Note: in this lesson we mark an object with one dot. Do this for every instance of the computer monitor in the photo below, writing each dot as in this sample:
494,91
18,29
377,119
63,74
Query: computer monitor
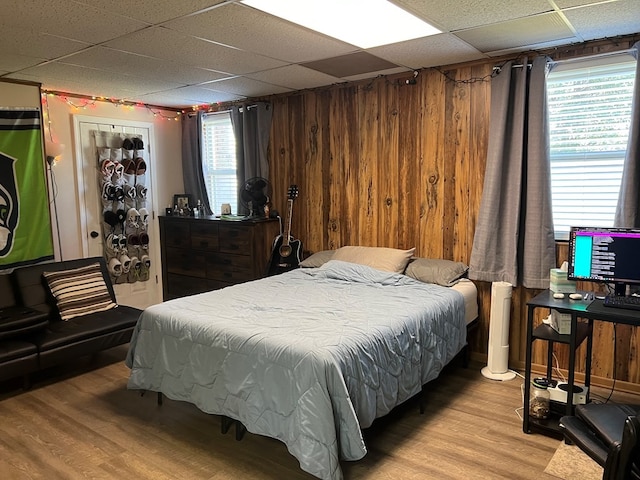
605,255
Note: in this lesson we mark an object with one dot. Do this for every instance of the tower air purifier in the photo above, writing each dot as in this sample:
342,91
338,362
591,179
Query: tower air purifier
498,357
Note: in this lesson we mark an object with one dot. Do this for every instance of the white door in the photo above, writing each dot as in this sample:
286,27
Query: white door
93,136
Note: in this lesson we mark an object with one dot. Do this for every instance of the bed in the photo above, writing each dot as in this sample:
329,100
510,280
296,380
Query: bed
310,357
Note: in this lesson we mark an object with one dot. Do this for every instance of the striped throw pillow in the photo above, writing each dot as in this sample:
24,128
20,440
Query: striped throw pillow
79,291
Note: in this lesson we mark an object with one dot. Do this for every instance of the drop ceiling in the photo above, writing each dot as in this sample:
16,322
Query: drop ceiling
198,52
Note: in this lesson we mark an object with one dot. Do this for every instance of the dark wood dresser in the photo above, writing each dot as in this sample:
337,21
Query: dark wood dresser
202,254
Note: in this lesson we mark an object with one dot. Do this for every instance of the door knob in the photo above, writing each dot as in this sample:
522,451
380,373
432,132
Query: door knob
94,234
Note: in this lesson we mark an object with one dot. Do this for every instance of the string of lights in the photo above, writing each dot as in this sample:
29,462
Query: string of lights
80,102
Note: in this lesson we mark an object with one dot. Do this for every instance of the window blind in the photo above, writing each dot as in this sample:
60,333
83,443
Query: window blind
219,160
589,118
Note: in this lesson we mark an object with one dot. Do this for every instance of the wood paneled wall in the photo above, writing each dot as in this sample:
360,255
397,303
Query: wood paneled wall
386,163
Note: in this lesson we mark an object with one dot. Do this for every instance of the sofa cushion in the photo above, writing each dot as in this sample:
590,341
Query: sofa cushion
59,334
17,358
13,349
17,321
79,291
7,298
31,287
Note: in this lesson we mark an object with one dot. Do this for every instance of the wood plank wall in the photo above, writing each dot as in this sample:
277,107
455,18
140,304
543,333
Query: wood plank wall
386,163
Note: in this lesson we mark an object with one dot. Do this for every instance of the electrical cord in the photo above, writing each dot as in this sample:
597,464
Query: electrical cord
54,195
557,368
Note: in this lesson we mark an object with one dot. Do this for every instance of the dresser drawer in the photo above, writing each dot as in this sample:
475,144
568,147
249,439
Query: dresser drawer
235,239
185,262
204,235
177,234
230,268
182,285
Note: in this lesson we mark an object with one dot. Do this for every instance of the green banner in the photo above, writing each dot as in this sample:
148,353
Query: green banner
25,223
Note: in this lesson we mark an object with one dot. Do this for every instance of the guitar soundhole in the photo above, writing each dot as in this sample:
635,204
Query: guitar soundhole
285,250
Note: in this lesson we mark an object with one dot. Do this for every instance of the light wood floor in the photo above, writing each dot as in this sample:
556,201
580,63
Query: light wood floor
81,422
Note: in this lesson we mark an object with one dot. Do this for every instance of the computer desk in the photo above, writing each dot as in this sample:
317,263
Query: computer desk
588,310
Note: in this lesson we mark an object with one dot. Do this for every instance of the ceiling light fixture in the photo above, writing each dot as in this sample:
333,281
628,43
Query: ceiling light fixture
363,23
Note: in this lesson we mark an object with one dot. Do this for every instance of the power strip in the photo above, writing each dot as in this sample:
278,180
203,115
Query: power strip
559,393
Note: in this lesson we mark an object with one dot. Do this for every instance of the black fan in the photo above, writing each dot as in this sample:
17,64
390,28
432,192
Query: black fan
255,194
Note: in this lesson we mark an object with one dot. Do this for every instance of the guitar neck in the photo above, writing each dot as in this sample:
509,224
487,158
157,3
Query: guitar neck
287,222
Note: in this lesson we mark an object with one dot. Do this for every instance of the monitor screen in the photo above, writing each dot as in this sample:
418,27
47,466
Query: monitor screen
608,255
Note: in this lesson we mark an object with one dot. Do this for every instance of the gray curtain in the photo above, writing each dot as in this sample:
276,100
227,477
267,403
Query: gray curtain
251,128
627,211
193,176
514,237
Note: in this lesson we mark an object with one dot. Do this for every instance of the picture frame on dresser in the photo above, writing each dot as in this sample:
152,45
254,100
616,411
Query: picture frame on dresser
183,200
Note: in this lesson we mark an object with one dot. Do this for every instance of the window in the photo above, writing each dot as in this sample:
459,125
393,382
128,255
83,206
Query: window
589,119
219,160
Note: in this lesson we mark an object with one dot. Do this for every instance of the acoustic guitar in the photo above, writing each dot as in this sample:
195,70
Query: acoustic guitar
286,251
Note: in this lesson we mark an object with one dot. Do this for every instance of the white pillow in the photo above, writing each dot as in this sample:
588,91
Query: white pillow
381,258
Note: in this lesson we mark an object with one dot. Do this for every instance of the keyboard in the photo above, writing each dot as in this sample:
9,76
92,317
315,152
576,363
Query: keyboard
616,301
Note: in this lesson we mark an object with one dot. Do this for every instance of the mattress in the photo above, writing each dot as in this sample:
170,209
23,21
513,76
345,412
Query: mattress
470,293
309,357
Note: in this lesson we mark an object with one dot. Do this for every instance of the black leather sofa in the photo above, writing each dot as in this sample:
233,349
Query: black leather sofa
33,336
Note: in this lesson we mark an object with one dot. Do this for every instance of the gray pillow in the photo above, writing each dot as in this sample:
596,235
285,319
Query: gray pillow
317,259
433,270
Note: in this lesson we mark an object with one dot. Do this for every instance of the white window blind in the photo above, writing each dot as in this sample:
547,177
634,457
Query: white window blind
589,118
219,161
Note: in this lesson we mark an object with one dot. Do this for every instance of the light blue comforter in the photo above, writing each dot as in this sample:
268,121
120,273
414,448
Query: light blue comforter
308,357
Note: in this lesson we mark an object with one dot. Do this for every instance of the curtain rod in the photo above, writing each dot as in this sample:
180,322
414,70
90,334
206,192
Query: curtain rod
227,110
630,51
497,68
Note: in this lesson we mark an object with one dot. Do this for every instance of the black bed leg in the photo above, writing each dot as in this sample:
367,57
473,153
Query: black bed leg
466,356
240,430
159,398
225,424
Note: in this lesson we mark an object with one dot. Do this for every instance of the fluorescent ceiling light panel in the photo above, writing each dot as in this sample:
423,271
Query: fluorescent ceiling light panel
363,23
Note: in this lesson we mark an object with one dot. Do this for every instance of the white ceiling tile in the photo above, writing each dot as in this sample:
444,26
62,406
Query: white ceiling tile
452,15
100,81
153,11
75,86
443,49
547,27
170,45
619,18
526,48
188,96
295,77
141,66
70,19
252,30
11,62
32,43
246,87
